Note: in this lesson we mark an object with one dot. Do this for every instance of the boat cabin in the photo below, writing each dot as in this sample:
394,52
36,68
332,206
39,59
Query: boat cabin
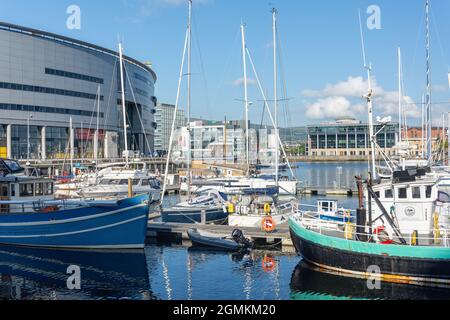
18,189
327,207
414,205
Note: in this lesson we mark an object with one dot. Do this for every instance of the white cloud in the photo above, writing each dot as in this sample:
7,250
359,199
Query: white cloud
332,108
240,82
345,98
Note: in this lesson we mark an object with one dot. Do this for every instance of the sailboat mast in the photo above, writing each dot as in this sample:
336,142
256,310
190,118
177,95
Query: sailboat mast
400,95
189,100
72,145
275,90
96,136
428,94
244,61
124,111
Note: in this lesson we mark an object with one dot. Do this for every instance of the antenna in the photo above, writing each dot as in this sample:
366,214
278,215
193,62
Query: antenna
369,101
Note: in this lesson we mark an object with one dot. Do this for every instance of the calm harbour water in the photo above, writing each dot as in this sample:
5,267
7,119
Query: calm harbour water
167,272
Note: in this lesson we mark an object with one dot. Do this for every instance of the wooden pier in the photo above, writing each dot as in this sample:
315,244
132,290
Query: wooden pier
177,232
318,191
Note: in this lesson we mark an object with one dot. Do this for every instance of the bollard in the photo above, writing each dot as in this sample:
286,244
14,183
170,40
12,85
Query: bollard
130,188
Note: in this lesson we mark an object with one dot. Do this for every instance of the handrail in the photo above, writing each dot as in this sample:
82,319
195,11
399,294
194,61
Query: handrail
316,223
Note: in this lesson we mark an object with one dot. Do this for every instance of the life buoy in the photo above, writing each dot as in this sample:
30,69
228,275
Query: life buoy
382,235
268,224
49,209
268,264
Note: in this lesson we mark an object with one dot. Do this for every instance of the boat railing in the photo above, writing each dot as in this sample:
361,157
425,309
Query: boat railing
46,206
349,231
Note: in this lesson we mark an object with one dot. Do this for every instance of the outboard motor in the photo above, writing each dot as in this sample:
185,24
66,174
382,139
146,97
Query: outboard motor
238,237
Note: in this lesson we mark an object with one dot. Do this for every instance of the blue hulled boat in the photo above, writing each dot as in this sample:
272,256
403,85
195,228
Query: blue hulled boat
30,216
207,208
90,225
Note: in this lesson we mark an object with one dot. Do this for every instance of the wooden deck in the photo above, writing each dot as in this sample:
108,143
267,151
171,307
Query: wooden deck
177,232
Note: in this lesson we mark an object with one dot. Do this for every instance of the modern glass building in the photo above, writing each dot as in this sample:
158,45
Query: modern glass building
349,138
164,119
47,80
220,143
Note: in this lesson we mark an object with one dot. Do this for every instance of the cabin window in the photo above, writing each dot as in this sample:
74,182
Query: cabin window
26,189
377,194
416,192
39,189
4,191
428,192
144,182
388,194
136,182
13,190
123,181
48,189
402,193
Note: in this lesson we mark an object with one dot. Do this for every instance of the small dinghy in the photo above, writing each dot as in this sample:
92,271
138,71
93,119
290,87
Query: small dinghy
235,242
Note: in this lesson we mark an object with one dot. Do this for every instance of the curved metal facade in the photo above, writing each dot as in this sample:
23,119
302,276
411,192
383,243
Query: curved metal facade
48,80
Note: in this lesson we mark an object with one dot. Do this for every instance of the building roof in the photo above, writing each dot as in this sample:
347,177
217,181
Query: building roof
73,42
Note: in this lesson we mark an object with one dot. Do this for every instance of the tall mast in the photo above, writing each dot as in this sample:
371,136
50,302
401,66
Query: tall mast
369,103
275,91
448,139
189,99
124,111
96,136
244,60
71,144
400,95
428,94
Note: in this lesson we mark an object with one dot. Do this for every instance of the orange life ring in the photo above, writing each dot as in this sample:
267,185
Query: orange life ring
268,264
49,209
268,224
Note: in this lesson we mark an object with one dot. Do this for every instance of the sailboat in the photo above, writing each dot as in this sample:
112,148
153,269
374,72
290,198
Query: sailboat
208,207
258,204
114,182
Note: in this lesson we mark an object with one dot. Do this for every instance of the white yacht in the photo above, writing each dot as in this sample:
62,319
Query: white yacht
114,183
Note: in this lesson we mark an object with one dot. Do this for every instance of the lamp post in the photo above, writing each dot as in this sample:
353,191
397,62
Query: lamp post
28,136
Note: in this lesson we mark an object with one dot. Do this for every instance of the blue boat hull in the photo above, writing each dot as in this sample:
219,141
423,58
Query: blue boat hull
215,216
121,226
105,274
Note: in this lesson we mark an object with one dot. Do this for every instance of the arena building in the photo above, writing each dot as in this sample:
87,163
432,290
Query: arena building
48,81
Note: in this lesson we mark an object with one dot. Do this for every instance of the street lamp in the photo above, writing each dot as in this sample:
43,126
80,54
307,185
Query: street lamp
28,135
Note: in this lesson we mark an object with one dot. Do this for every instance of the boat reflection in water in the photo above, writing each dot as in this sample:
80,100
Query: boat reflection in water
310,283
29,274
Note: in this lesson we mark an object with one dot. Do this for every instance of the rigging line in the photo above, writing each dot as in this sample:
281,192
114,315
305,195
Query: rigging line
287,112
110,94
202,66
227,67
433,20
172,132
420,28
268,110
138,112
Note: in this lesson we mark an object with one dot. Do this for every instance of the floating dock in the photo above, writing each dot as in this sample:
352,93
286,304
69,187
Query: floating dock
328,192
177,232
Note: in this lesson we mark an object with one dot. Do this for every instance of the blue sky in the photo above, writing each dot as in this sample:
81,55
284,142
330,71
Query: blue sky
321,50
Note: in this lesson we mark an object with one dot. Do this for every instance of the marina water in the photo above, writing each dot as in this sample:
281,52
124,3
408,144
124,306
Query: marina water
174,272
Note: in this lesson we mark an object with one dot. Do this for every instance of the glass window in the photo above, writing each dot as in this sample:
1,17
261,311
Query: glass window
26,189
136,182
416,192
39,187
428,192
389,194
48,189
402,193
